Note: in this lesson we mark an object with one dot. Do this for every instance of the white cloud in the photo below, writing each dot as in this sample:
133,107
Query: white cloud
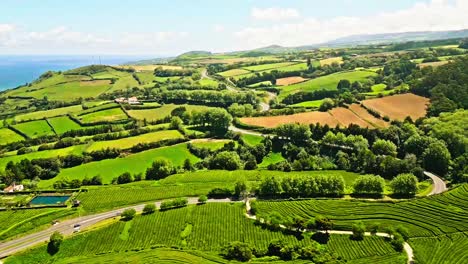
274,13
433,16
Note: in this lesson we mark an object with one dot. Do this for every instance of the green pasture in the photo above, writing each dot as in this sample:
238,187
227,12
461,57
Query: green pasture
328,82
8,136
163,111
125,143
107,115
309,104
135,163
35,129
76,150
48,113
63,124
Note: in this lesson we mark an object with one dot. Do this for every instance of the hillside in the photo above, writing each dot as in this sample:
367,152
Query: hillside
338,155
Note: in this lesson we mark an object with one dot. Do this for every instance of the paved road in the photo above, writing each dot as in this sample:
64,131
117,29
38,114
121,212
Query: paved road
439,184
67,227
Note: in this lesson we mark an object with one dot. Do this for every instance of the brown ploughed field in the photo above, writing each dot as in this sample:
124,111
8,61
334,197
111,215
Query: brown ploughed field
398,107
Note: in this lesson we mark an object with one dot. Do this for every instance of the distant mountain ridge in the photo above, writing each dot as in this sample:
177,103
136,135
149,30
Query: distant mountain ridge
353,40
398,37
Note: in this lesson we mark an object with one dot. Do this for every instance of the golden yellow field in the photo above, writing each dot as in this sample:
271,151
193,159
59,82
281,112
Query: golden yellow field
329,61
398,107
433,64
362,113
290,80
303,118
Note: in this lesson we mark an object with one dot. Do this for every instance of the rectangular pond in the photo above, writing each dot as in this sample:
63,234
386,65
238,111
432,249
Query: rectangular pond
49,199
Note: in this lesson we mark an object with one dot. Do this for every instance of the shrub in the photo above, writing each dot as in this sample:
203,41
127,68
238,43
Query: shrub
218,193
54,243
369,184
125,177
202,199
149,209
128,214
239,251
159,170
226,160
405,184
176,203
359,230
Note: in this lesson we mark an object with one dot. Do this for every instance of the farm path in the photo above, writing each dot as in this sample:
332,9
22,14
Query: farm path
266,106
67,227
439,184
406,247
229,85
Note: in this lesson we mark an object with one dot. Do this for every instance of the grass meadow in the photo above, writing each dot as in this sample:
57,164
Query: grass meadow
125,143
35,129
328,82
135,163
107,115
8,136
63,124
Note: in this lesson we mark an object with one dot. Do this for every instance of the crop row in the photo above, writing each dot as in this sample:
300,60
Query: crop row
451,249
213,226
423,217
370,246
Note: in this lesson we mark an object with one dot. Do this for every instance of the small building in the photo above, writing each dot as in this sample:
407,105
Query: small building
14,188
133,100
76,203
120,100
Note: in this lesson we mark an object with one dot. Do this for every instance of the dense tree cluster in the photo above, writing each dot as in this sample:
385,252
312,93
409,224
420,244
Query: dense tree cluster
319,186
214,98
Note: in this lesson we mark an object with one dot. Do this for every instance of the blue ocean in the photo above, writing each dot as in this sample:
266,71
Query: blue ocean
18,70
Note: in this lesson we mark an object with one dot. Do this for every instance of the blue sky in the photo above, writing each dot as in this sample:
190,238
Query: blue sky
171,27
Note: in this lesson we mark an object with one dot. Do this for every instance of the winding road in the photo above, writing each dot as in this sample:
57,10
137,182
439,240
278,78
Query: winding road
439,184
67,227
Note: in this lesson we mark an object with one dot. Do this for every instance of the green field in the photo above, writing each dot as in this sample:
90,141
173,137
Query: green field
54,80
234,72
98,106
135,163
208,83
71,90
162,112
77,150
212,227
107,115
268,66
211,144
271,158
251,140
35,129
328,82
126,143
309,104
437,218
8,136
124,83
48,113
63,124
16,222
183,185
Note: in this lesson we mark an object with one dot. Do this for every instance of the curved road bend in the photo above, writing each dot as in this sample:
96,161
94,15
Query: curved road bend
67,227
439,184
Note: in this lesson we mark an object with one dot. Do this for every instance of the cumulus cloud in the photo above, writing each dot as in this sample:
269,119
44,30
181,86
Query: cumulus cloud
433,16
274,13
